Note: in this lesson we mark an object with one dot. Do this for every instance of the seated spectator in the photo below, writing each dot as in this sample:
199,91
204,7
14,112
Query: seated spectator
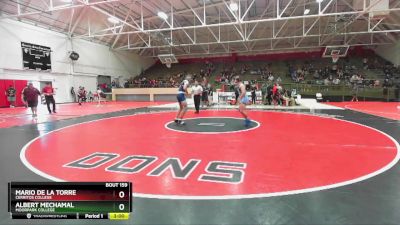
285,98
300,77
336,81
326,81
365,63
299,71
340,74
279,80
353,78
270,78
334,68
316,74
243,70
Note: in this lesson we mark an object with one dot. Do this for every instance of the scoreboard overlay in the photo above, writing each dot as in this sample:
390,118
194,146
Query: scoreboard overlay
70,200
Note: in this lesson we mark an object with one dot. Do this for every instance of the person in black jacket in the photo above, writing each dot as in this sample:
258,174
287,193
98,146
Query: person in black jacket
269,95
253,95
236,94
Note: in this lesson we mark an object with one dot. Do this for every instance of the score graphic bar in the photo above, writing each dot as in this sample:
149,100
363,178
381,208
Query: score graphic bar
70,200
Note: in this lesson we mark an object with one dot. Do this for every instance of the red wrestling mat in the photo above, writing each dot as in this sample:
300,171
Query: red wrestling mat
10,117
285,153
390,110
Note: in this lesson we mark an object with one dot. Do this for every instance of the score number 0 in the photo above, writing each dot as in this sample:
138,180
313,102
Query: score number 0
121,206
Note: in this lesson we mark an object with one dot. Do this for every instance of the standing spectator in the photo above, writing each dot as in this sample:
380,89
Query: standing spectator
90,96
253,95
355,89
10,93
268,97
32,94
236,94
275,94
81,95
73,93
204,96
397,88
48,92
385,85
197,91
270,78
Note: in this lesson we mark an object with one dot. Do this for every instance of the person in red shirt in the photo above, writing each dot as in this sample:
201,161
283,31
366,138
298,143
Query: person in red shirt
276,95
274,89
31,94
48,92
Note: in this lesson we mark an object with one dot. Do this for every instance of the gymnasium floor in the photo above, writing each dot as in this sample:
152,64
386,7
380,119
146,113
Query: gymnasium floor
319,164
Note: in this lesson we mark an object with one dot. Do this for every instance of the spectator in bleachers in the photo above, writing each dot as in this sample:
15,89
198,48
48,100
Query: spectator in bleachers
336,81
334,68
339,74
316,74
270,78
376,83
365,63
243,70
327,81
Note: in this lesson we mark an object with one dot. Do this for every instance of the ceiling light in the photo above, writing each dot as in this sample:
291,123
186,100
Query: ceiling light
113,20
319,1
306,11
234,6
66,1
162,15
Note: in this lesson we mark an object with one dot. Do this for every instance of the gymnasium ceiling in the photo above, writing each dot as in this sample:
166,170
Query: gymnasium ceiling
204,27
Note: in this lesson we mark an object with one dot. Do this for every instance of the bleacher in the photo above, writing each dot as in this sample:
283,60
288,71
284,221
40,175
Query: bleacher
278,68
257,71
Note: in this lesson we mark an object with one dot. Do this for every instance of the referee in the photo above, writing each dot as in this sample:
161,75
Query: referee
197,90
